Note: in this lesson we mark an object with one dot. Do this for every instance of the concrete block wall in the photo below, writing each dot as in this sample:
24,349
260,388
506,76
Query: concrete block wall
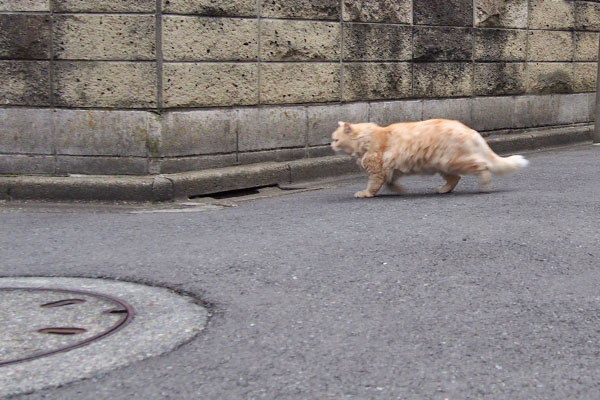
158,86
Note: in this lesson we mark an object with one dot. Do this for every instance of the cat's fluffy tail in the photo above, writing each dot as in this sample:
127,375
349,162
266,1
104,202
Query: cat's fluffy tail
505,165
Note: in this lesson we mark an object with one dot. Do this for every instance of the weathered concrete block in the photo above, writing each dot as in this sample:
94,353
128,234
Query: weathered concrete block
104,37
501,13
300,83
323,120
213,8
591,106
25,83
24,36
209,39
299,41
377,81
546,78
272,155
532,111
443,79
587,16
198,132
18,164
374,42
25,5
572,108
584,77
457,109
26,131
443,12
170,165
311,169
442,44
209,84
499,79
101,165
105,6
389,11
551,14
492,113
550,46
389,112
586,46
305,9
320,151
105,84
103,133
500,45
271,128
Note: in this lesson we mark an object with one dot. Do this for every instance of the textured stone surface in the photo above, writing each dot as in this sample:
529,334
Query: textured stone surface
501,13
585,75
24,164
551,14
442,44
105,84
209,84
587,15
104,6
272,155
233,8
299,41
499,79
24,5
491,113
211,39
25,83
377,42
323,120
443,12
198,132
550,46
26,131
390,11
443,79
586,46
169,165
545,78
101,165
377,81
299,83
535,111
389,112
305,9
500,45
24,36
102,133
458,109
104,37
271,128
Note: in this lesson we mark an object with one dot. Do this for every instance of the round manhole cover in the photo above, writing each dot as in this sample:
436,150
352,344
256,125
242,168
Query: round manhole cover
95,324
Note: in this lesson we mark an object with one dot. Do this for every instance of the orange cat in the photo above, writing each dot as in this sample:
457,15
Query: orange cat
426,147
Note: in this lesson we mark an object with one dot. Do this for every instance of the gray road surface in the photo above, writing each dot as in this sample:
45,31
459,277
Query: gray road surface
317,295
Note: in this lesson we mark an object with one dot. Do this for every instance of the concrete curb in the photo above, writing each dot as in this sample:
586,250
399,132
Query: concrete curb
184,185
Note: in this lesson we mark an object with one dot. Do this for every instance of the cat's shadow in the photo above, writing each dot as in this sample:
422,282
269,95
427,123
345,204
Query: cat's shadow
391,196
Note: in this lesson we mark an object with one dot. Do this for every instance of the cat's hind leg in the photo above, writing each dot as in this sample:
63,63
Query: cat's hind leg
451,182
485,180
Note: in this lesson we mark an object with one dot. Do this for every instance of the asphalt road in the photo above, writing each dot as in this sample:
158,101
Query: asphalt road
317,295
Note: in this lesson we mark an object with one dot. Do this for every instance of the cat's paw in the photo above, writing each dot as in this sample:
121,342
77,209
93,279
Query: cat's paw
363,194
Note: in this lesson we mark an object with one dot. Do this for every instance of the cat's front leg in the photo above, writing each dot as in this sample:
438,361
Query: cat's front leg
375,183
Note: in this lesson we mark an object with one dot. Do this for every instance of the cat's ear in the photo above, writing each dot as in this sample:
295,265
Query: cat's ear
347,127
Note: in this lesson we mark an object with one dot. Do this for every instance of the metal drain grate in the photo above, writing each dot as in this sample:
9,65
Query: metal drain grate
25,340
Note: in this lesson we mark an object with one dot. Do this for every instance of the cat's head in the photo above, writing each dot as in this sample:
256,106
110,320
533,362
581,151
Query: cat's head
342,139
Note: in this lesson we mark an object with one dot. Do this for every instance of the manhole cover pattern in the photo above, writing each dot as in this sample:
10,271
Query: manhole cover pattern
38,322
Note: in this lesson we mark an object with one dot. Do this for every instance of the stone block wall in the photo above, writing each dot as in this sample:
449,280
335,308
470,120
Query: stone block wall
160,86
